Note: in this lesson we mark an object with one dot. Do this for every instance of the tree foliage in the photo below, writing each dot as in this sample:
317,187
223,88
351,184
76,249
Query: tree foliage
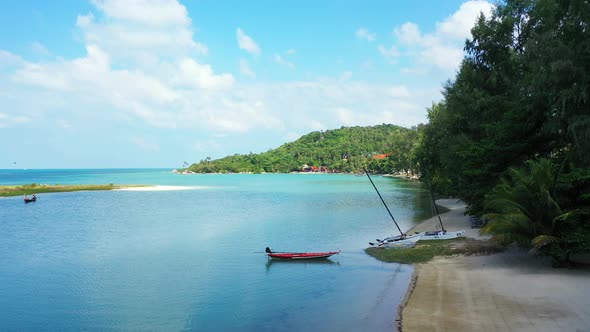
520,95
523,210
347,149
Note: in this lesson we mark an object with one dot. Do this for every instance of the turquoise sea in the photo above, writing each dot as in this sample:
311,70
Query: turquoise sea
189,259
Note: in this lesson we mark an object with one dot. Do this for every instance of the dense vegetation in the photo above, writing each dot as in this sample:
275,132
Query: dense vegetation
512,134
347,149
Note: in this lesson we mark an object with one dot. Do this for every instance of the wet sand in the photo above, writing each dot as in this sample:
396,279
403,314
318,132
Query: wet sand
510,291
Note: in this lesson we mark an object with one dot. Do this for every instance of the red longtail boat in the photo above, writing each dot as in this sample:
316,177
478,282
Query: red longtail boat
300,255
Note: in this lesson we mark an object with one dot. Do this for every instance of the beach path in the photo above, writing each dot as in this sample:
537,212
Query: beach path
503,292
453,220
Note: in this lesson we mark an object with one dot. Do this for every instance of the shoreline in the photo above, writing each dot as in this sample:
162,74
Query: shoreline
28,189
159,188
508,291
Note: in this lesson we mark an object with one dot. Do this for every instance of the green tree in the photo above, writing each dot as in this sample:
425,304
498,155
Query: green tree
522,210
341,150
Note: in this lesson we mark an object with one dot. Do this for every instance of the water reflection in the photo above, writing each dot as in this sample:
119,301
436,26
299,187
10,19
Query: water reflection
317,261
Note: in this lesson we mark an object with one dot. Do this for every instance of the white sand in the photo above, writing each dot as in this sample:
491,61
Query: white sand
510,291
454,220
162,188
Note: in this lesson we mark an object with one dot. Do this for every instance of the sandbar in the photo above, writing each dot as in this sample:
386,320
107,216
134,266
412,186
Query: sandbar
161,188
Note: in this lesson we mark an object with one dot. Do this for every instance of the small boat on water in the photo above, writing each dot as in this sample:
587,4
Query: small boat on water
300,255
29,200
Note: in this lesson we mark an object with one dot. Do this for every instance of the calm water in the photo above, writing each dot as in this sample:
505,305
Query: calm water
185,260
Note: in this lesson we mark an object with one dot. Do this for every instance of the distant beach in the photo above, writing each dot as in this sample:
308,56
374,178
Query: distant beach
161,188
509,291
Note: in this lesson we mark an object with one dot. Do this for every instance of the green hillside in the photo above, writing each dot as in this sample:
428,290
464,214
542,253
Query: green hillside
341,150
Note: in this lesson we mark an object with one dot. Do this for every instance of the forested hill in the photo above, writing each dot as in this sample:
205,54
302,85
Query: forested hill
341,150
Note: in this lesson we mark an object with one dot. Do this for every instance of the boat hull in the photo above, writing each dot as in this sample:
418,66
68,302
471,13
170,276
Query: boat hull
442,236
302,255
396,242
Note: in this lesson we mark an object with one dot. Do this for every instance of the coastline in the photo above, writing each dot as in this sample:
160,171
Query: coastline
509,291
158,188
19,190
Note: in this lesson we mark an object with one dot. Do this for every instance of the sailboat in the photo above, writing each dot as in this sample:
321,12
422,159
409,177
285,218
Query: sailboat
441,234
400,241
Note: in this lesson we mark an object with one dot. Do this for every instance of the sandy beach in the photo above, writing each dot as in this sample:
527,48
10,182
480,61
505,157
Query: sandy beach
454,220
161,188
510,291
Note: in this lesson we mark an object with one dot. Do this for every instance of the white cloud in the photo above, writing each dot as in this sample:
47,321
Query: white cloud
246,43
280,60
145,12
9,62
458,25
391,54
443,48
138,30
399,91
84,21
408,33
292,136
363,33
316,125
9,120
246,70
313,105
201,76
163,83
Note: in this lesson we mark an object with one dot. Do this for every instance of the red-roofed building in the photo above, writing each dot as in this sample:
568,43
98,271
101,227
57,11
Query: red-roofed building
381,156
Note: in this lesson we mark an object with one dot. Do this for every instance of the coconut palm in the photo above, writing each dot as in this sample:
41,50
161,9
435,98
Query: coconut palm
522,210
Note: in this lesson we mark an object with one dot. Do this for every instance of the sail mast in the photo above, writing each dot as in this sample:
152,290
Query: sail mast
391,215
435,208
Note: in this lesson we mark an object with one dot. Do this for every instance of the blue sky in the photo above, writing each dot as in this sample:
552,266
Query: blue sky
154,83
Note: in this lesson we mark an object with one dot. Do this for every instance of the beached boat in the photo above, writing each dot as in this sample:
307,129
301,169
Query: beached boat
400,241
300,255
441,235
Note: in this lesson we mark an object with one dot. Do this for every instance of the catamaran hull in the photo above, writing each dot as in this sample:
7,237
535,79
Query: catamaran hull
396,242
442,236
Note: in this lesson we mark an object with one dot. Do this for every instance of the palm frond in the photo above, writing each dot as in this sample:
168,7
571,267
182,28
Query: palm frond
541,241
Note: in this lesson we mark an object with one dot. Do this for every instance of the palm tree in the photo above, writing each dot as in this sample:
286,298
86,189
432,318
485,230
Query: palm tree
522,210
